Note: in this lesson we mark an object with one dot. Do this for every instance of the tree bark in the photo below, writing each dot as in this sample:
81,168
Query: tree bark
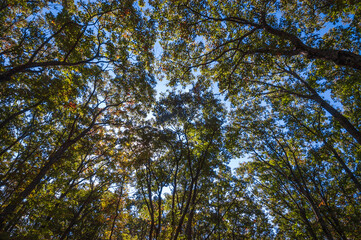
339,57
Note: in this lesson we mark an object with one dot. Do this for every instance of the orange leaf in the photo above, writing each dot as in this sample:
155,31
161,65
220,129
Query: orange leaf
321,203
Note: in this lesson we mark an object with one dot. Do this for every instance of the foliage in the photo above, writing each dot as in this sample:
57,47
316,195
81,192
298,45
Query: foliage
88,151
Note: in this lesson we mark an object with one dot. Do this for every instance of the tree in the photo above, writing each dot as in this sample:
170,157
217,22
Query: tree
180,152
283,67
184,188
87,152
69,83
269,44
295,173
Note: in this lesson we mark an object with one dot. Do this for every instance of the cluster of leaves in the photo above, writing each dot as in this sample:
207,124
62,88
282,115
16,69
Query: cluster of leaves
184,187
82,157
70,84
291,71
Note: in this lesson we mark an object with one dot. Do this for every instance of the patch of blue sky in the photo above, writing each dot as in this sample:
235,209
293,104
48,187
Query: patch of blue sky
237,161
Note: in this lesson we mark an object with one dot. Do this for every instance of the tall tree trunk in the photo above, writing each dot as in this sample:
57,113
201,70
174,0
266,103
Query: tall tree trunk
53,158
76,216
116,212
340,118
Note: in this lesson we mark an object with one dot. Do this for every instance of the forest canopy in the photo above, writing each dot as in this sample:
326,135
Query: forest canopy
92,148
